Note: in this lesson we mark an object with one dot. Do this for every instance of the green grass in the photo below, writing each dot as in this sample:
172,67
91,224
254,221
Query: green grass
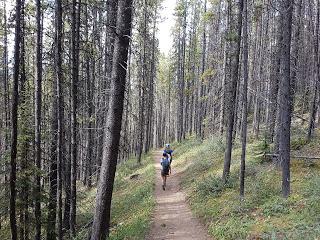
132,204
263,214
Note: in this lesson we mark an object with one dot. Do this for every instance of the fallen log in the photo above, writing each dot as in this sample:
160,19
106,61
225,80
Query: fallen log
293,156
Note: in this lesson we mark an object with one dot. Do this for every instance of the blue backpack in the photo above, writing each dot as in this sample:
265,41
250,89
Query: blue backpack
165,164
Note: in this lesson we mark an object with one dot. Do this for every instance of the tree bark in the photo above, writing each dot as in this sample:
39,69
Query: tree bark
314,103
244,100
101,222
26,137
38,103
52,205
234,68
274,83
14,122
58,79
112,6
203,87
75,38
285,103
90,88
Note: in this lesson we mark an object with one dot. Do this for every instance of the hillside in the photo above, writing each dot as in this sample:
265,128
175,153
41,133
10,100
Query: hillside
263,214
132,204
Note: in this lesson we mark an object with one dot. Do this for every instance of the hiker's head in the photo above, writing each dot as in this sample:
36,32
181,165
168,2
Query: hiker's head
167,145
165,155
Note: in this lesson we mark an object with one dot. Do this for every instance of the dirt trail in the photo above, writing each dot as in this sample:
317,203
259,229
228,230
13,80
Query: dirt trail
172,218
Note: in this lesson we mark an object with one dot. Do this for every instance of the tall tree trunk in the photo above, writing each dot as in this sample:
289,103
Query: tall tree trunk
244,100
183,70
38,102
314,103
235,54
257,75
58,79
203,87
273,118
6,103
112,6
141,115
26,138
52,206
151,87
14,122
101,221
142,102
142,84
90,86
223,93
285,98
74,124
295,51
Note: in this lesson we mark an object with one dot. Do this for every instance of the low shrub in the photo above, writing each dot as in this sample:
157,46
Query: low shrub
213,186
298,143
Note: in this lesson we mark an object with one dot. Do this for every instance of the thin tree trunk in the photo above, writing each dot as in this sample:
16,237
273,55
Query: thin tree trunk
296,51
52,206
274,113
233,92
90,85
314,103
38,103
58,79
74,124
203,87
6,103
223,93
244,100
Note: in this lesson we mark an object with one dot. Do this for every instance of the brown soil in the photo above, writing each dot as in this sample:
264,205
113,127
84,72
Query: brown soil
172,218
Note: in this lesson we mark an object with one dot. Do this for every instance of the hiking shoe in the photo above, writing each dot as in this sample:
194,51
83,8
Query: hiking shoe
163,187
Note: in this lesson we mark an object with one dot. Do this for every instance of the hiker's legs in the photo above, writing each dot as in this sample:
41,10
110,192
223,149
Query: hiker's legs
163,181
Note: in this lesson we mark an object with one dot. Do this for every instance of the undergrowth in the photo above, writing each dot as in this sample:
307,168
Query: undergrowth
132,203
263,214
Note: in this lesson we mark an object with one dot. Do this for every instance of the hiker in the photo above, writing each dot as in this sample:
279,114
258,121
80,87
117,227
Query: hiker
165,163
169,152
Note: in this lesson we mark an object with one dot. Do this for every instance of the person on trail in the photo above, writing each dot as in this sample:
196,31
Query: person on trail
165,164
169,152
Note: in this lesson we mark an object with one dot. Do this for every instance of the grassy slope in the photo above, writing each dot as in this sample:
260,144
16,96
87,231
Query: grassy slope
132,204
264,214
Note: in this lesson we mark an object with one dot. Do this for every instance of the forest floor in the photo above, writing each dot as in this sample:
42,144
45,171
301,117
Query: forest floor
132,202
173,218
263,214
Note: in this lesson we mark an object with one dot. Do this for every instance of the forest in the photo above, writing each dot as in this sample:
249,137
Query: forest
88,100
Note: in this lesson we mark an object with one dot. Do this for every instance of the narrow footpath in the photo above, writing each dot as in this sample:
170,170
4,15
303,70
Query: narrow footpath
172,218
